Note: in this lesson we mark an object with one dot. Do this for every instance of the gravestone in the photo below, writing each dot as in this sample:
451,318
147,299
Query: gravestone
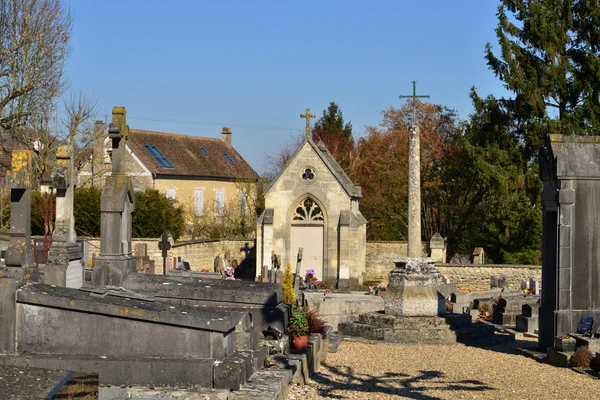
535,285
64,266
117,202
493,281
524,284
503,282
436,247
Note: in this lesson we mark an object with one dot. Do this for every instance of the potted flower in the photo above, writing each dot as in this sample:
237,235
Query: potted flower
298,329
310,279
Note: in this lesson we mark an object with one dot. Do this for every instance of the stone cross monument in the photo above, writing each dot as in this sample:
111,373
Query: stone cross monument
64,266
116,205
414,181
20,268
307,116
20,182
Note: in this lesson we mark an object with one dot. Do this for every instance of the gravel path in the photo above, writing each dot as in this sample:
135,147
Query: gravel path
381,371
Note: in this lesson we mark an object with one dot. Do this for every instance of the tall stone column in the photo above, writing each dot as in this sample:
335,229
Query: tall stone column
414,193
64,266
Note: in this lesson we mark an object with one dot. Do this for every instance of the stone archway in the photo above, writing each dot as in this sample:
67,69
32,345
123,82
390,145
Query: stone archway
307,227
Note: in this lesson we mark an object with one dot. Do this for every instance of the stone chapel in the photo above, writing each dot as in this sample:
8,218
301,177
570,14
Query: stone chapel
313,205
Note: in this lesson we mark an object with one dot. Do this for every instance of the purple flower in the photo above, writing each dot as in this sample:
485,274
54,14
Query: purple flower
310,272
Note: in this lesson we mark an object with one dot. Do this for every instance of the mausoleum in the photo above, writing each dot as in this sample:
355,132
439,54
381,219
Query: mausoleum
313,205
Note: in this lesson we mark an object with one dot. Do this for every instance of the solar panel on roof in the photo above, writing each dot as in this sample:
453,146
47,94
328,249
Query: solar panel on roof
158,156
229,158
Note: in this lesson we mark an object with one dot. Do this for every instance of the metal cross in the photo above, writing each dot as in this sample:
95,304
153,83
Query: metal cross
414,97
307,116
164,245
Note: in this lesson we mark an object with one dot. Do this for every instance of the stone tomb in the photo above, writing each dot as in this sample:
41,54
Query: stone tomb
570,288
126,338
262,300
412,309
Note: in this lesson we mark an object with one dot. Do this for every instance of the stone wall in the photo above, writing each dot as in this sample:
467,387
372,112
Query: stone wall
200,254
467,277
381,256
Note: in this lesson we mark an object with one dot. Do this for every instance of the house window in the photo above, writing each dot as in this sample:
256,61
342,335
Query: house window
242,203
170,193
204,150
220,203
229,158
159,157
199,202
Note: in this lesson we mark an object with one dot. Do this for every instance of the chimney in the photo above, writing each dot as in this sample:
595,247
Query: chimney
226,135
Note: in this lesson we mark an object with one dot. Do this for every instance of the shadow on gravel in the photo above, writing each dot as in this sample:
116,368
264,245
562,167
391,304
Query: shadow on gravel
390,383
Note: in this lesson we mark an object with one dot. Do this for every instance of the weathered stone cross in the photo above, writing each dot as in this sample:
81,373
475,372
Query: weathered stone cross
307,116
164,246
414,181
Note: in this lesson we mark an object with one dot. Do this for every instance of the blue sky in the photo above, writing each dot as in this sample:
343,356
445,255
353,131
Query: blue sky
195,66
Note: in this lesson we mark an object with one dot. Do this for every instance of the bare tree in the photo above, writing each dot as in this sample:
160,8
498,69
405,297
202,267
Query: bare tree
33,50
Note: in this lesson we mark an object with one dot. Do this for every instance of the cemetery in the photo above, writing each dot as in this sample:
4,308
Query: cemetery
293,284
143,332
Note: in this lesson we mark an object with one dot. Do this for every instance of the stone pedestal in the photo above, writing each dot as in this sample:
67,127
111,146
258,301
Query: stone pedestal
64,267
413,289
413,309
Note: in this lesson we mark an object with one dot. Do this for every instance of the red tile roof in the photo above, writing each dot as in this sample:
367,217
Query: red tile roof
188,159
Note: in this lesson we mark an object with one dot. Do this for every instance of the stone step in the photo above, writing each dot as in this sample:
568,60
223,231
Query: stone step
382,320
361,330
271,384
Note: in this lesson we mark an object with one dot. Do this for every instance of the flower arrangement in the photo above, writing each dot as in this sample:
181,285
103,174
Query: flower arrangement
375,290
529,291
229,272
310,279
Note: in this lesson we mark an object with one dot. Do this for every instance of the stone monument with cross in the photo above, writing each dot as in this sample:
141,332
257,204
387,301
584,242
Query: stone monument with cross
117,202
64,267
19,266
20,182
414,180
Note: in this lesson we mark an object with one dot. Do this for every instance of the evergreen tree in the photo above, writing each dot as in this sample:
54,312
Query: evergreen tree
549,60
336,135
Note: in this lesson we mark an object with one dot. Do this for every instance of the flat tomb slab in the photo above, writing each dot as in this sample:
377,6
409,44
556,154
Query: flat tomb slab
218,290
25,382
127,305
128,371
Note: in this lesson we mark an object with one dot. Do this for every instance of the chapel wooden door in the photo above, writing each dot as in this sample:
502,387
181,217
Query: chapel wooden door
310,238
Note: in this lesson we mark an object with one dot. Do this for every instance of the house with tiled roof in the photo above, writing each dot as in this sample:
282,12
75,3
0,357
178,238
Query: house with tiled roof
203,173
